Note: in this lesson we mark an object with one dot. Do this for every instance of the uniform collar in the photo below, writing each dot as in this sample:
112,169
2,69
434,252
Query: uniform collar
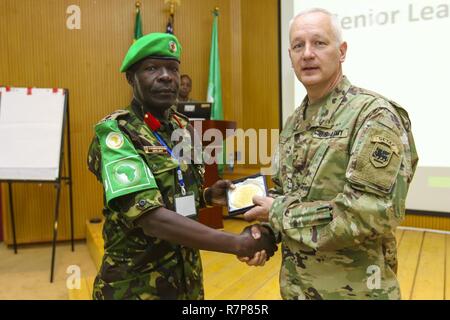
139,112
329,105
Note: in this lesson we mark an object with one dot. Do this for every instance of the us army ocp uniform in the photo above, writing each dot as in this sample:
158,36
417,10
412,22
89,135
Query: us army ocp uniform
138,175
341,184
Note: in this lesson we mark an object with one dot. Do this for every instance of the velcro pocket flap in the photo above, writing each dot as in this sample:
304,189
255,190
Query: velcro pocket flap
303,217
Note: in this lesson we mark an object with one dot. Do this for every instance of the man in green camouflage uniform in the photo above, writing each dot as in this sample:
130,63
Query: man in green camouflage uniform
345,161
151,251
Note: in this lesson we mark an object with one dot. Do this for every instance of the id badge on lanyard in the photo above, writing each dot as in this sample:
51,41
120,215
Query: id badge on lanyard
185,205
184,202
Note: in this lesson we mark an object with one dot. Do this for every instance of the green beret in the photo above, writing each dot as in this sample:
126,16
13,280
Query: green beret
155,45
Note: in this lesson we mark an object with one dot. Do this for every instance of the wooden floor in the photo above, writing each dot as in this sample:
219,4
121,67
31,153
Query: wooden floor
225,277
424,265
424,272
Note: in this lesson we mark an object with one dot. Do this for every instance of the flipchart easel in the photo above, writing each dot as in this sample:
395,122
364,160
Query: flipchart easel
32,122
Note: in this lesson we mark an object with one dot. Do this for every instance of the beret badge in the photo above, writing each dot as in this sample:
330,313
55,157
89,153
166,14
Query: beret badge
172,46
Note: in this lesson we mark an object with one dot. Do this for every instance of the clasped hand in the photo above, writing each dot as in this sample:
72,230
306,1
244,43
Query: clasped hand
259,245
259,212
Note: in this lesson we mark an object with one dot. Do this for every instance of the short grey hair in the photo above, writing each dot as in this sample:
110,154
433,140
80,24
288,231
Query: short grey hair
335,25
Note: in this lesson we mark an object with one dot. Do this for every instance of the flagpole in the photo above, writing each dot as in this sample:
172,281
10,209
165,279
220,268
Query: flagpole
137,4
137,22
172,4
214,93
171,20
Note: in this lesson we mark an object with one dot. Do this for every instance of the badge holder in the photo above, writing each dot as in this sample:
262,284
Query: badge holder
185,204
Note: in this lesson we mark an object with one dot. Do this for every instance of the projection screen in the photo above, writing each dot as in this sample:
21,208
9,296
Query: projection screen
400,49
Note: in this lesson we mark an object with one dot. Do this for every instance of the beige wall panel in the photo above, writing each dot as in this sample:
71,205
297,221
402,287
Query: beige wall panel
38,50
427,222
260,65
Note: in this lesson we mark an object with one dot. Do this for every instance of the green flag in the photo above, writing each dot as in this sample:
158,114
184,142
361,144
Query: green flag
138,24
215,85
214,82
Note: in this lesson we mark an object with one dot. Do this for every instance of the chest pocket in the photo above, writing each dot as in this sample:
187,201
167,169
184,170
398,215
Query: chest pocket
312,167
160,163
163,168
298,167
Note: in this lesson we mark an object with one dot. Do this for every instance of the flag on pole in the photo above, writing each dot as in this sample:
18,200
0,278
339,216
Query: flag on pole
170,24
138,22
215,86
214,82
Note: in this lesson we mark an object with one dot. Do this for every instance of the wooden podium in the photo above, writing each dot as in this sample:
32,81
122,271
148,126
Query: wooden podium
212,217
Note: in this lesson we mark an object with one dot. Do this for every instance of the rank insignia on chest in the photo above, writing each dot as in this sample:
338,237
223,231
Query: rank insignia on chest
155,149
381,155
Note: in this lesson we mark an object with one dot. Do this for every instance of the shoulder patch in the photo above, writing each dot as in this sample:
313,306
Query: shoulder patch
123,169
387,141
375,162
381,155
115,115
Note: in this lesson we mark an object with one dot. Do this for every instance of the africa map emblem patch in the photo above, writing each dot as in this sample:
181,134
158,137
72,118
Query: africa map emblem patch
127,174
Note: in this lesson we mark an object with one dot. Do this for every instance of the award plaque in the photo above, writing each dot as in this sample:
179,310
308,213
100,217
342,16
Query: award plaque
239,199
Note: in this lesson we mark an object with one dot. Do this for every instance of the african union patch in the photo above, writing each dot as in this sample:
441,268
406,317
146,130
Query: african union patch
128,173
123,169
114,140
381,155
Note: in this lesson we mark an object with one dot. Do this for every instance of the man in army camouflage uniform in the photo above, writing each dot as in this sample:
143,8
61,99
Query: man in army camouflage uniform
151,247
345,161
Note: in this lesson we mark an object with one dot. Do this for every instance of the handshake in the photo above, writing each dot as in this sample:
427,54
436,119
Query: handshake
257,244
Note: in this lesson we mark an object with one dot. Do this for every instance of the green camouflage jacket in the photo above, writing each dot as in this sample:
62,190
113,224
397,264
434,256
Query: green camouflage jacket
137,266
341,183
